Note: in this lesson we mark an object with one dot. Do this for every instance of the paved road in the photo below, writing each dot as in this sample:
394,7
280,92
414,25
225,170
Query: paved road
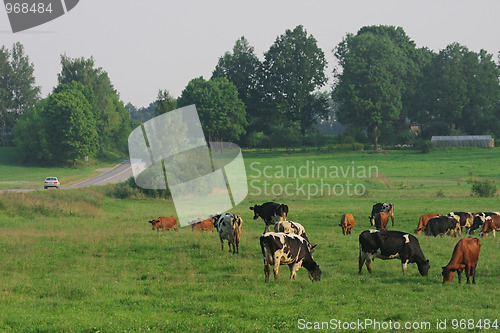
117,174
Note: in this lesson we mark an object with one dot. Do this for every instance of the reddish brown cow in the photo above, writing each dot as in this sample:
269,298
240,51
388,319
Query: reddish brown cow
204,225
491,224
347,223
465,255
422,222
381,221
164,223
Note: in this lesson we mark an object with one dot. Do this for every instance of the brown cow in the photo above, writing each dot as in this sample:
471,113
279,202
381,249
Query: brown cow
164,223
465,255
203,225
422,222
347,223
491,224
381,221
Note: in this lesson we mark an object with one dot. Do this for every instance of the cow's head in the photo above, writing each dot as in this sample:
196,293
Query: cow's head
424,268
255,214
154,223
315,274
448,274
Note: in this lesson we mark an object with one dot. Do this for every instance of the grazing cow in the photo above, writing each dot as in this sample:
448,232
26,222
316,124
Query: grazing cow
422,222
466,218
289,227
287,249
478,221
443,225
229,227
385,244
387,208
491,224
381,221
164,223
203,225
465,255
270,212
347,223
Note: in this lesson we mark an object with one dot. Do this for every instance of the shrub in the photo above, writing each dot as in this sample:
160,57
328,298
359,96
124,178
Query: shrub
425,146
484,188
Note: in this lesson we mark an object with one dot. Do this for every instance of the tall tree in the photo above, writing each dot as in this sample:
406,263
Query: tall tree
370,86
164,102
18,92
221,112
293,68
73,128
243,69
460,89
109,110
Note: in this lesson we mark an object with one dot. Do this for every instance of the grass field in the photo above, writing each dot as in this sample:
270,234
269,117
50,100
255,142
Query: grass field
81,261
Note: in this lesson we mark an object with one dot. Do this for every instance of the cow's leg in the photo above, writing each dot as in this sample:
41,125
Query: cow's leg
221,243
362,258
494,232
392,218
467,273
267,270
459,271
404,264
276,266
473,273
293,270
369,264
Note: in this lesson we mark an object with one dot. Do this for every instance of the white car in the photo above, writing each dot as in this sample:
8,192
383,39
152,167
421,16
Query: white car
51,182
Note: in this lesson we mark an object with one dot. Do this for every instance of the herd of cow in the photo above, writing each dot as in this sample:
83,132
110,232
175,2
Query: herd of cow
289,244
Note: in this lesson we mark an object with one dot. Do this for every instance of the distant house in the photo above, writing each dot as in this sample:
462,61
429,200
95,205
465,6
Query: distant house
484,141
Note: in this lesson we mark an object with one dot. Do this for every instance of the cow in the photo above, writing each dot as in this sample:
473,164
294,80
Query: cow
422,222
289,227
270,212
387,208
203,225
443,225
478,221
164,223
381,221
347,223
465,255
385,244
491,224
287,249
466,218
229,227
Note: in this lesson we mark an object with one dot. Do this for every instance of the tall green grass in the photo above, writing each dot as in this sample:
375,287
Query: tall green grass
83,261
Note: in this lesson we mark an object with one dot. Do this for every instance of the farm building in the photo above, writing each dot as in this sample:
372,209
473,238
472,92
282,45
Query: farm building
485,141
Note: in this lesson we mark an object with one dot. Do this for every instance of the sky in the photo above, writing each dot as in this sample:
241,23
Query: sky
147,45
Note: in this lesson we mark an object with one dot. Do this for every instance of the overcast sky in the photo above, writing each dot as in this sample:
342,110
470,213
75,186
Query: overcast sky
147,45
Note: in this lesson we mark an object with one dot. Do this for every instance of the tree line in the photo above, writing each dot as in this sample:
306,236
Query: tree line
382,84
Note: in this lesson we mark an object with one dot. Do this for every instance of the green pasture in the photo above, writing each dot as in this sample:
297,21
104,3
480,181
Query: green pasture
82,261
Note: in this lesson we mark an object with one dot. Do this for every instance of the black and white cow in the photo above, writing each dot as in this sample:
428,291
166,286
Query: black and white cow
287,249
465,218
229,227
385,244
478,221
289,227
443,225
387,208
270,212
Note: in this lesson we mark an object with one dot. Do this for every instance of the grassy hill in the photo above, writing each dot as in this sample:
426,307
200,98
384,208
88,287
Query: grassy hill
82,261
